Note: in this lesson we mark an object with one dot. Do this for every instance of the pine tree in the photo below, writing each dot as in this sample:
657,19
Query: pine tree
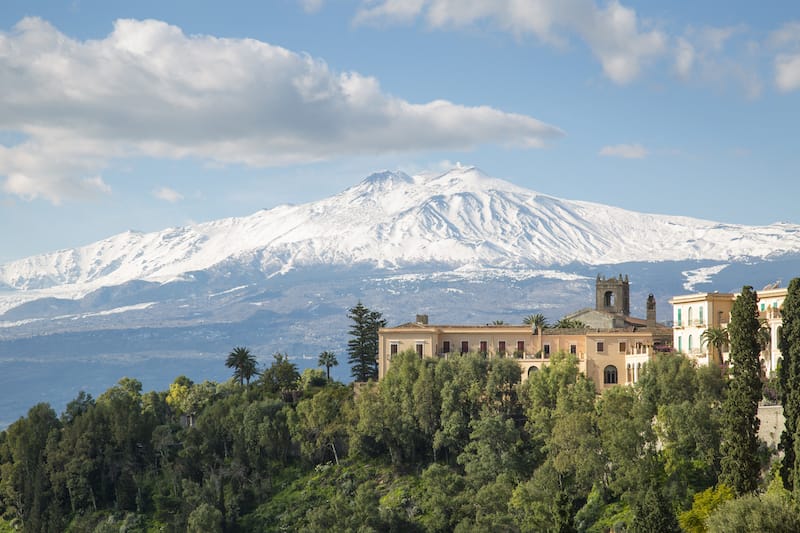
789,380
362,348
739,447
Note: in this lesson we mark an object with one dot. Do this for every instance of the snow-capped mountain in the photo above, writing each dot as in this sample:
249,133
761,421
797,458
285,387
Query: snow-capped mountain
391,220
460,246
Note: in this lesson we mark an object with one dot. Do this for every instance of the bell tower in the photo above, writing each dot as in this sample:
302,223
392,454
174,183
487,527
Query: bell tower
613,295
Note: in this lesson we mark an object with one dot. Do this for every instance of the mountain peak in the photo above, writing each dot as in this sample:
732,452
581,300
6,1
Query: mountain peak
460,216
387,177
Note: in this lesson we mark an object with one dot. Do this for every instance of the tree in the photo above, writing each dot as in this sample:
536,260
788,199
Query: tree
282,375
327,359
243,363
718,338
739,446
568,323
362,348
319,425
789,380
538,321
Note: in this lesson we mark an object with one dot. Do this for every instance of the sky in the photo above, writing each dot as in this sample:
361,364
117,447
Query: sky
145,115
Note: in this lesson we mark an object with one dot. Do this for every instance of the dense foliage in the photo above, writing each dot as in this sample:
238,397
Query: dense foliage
740,461
456,444
789,382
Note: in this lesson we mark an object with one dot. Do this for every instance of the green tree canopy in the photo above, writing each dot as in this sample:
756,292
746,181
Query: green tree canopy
739,448
789,381
362,348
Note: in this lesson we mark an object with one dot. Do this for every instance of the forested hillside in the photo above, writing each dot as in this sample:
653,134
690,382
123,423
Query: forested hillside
438,445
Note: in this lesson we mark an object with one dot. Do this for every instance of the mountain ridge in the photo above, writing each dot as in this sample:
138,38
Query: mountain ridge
391,219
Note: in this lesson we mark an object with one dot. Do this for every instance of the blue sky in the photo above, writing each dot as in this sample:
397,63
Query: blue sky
145,115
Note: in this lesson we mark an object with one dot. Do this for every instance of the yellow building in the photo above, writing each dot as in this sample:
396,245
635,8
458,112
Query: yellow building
693,314
608,355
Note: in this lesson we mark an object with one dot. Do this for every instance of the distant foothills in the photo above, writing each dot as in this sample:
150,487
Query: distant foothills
458,434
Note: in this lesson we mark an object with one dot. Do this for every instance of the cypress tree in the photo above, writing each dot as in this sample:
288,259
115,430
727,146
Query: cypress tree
789,379
739,447
362,348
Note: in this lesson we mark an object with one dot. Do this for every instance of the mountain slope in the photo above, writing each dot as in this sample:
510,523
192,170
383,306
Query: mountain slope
390,219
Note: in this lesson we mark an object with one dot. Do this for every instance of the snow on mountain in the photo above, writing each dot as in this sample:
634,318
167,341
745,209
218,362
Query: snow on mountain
460,217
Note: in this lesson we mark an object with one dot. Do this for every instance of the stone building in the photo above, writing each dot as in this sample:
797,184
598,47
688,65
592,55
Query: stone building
611,349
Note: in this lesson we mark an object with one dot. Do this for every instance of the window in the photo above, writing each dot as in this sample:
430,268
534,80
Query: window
700,318
546,350
484,347
680,344
690,343
532,370
679,317
501,347
600,346
689,317
573,349
420,348
763,306
623,347
446,347
610,375
464,346
608,299
521,346
393,349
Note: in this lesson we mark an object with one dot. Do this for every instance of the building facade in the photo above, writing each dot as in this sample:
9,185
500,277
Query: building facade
693,314
611,350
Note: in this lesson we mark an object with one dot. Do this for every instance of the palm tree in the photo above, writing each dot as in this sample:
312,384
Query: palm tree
538,321
327,359
243,363
498,322
568,323
718,338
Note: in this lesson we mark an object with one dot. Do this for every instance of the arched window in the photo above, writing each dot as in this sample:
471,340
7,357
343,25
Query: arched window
690,343
609,299
630,373
689,317
680,344
610,375
531,370
700,316
679,317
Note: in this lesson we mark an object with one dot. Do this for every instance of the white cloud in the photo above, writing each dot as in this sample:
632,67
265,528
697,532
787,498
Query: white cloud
719,57
787,72
626,151
311,6
614,33
148,90
168,195
786,35
684,58
787,62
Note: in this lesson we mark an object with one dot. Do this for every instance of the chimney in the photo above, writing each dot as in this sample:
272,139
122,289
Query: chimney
422,319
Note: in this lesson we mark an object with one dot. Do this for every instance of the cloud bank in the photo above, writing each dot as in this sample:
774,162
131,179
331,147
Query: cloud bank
615,34
149,90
